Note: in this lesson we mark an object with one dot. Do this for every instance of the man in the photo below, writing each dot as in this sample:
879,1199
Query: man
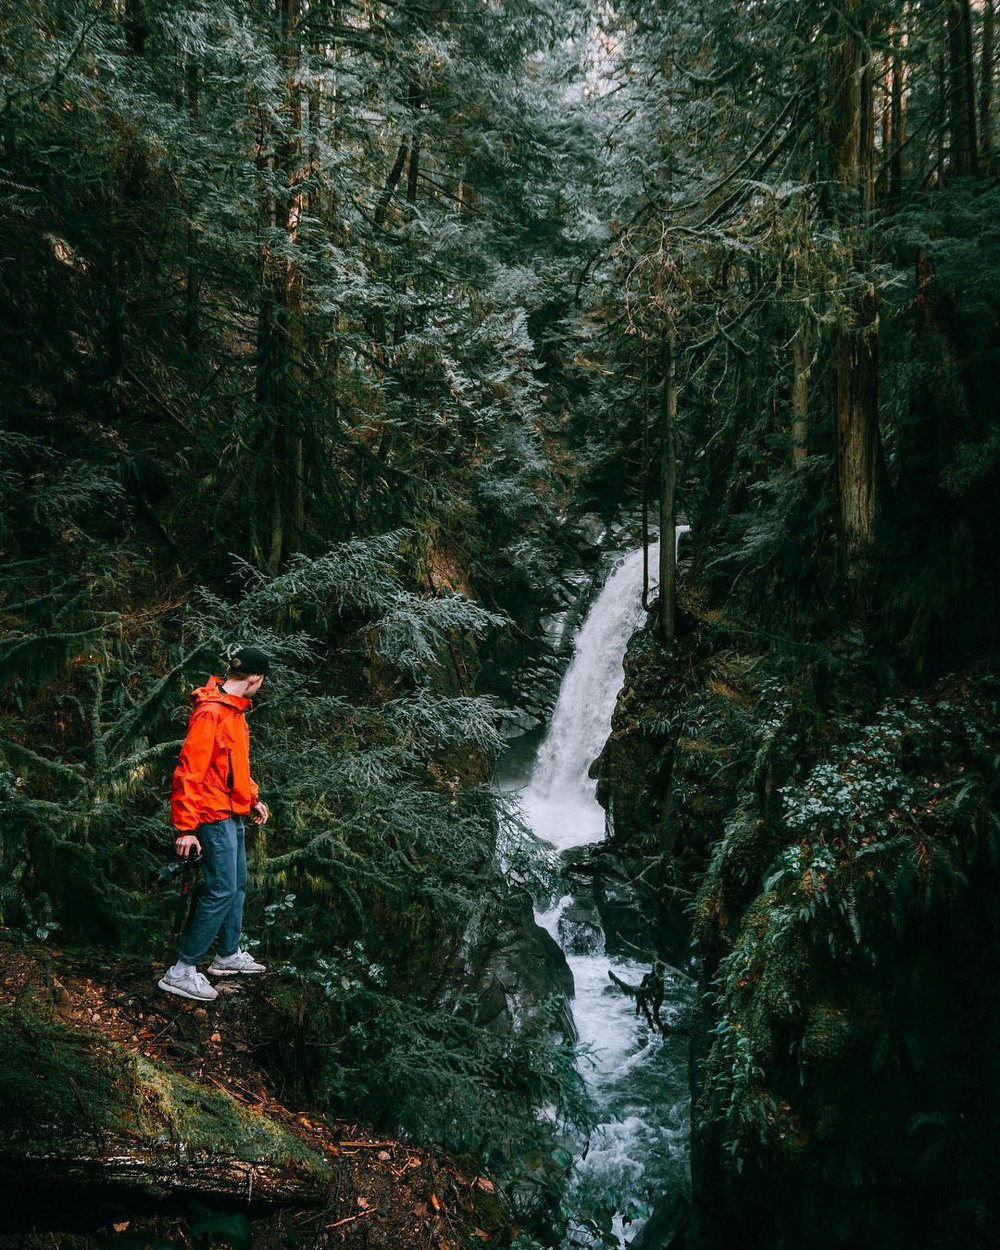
212,792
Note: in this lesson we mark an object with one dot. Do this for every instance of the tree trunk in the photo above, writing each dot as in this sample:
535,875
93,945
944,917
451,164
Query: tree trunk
986,75
942,143
897,114
668,494
412,180
801,361
280,327
860,467
961,91
79,1114
391,183
378,329
192,286
860,464
135,25
115,331
413,173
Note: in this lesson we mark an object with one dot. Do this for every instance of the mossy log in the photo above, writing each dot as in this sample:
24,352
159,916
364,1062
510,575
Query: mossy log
77,1109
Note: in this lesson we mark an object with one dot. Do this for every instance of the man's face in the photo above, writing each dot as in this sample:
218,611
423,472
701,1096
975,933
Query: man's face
254,683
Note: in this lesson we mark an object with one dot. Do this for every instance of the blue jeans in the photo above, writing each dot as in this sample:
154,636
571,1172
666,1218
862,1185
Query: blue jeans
219,911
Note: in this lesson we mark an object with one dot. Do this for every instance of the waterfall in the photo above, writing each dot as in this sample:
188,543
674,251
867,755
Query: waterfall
582,715
637,1078
559,801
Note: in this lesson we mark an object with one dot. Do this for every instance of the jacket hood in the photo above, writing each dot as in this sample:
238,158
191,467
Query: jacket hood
211,693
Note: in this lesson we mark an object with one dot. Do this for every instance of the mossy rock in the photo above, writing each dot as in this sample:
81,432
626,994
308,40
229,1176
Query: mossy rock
78,1108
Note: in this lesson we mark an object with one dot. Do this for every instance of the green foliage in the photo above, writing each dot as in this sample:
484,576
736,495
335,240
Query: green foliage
373,870
281,284
439,1077
881,838
298,300
88,750
737,232
775,563
551,1212
396,1042
941,356
97,797
395,277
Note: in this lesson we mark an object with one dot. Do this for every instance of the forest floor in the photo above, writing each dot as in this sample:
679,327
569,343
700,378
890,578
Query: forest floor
387,1194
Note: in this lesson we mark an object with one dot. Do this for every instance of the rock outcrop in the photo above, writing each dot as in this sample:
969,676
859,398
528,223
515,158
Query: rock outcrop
517,971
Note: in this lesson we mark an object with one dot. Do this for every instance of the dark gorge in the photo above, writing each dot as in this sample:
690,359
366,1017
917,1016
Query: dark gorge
386,337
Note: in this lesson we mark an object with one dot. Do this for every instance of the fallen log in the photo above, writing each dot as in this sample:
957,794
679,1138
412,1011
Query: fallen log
631,990
79,1111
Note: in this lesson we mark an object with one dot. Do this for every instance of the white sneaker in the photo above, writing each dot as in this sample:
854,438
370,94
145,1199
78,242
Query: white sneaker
230,965
188,983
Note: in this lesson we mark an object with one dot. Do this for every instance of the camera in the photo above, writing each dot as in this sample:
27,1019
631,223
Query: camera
167,872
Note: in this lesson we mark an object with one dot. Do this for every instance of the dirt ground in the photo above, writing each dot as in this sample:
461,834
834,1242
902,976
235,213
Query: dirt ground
387,1194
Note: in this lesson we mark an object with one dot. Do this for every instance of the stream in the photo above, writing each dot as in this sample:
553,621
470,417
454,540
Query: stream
637,1078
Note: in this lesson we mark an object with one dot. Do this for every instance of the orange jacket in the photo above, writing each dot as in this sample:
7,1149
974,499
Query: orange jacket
212,778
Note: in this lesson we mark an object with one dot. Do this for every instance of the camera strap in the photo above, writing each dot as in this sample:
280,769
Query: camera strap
185,900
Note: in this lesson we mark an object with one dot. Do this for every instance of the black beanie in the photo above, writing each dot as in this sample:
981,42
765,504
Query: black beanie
248,661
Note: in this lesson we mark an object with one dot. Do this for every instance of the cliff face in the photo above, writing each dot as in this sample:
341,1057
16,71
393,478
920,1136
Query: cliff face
832,860
669,775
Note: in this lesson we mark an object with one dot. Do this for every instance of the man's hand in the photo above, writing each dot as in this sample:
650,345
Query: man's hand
186,844
260,813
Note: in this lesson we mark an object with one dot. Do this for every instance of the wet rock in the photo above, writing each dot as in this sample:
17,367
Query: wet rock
553,629
519,721
492,1003
575,587
580,930
517,969
624,906
667,1227
589,532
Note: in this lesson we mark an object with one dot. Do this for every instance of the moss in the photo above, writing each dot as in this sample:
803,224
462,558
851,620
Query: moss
744,853
66,1095
828,1033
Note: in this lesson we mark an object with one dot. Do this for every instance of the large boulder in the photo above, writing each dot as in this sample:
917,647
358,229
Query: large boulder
667,1227
518,970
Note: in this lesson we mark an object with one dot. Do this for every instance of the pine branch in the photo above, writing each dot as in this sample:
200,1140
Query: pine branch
65,772
122,732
